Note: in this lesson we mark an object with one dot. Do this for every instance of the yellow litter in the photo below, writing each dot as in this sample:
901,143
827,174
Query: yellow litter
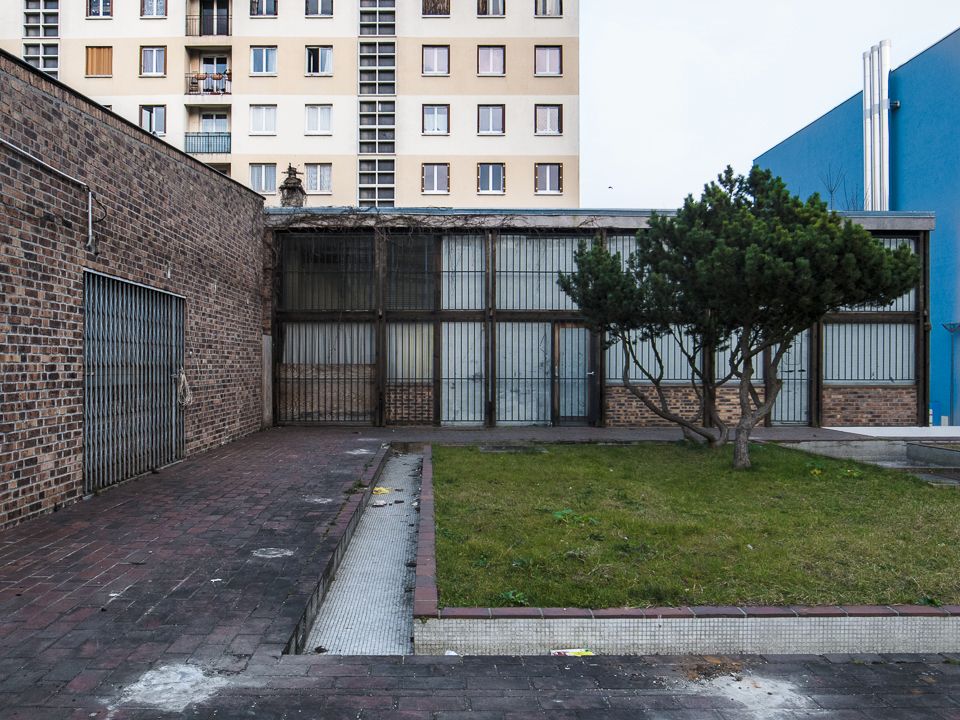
381,491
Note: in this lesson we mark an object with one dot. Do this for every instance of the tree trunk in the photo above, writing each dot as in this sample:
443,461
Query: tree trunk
741,447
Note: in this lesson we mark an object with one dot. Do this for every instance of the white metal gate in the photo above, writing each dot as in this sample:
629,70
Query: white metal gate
133,353
792,406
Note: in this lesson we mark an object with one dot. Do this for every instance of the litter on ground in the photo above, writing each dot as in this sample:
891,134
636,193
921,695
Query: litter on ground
571,652
381,490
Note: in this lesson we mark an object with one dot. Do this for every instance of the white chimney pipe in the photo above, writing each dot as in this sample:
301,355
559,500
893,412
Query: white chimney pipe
876,127
867,136
884,116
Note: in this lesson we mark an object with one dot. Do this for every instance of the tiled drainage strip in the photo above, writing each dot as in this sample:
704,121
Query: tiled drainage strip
369,607
664,631
340,533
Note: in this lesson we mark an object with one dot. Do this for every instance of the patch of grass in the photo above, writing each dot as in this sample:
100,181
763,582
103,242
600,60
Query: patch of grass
674,524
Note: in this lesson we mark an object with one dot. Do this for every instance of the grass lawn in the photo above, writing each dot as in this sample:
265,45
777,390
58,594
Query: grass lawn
673,524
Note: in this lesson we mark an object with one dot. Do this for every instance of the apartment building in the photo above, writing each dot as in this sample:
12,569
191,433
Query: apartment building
377,103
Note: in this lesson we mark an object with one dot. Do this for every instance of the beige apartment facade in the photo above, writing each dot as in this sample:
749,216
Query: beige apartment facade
406,103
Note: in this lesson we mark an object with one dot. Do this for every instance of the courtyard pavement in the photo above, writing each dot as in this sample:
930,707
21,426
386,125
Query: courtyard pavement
173,595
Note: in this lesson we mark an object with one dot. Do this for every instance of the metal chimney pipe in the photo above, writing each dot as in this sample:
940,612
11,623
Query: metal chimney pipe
867,135
875,100
883,112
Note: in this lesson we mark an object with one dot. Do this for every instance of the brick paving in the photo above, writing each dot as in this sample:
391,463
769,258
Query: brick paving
159,574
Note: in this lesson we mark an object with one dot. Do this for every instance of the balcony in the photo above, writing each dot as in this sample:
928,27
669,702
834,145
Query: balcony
199,83
199,143
208,24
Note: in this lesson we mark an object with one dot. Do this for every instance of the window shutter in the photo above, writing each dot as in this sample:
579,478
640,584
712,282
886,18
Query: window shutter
560,177
503,174
423,178
447,188
99,61
478,177
536,177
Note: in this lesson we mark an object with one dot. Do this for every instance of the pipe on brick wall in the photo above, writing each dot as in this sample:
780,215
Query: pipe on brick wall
91,245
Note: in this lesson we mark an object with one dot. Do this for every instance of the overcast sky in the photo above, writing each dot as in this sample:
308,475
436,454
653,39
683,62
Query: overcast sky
674,90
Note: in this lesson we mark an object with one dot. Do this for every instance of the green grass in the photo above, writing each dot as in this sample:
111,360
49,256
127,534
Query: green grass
673,524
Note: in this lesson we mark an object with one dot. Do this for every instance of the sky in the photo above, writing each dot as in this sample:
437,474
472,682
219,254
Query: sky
672,91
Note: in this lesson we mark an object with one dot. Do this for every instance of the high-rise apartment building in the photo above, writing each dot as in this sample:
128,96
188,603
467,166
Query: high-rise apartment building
412,103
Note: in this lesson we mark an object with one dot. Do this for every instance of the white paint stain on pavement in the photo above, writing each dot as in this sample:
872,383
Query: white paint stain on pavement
359,452
272,553
170,688
765,698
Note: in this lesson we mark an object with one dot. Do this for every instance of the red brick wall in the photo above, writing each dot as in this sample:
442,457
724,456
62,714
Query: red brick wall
410,404
863,406
623,409
163,211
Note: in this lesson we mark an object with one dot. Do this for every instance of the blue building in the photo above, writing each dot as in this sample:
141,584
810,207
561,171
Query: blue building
899,150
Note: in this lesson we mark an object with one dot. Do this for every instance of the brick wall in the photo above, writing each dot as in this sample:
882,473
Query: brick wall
409,404
623,409
325,393
162,212
857,406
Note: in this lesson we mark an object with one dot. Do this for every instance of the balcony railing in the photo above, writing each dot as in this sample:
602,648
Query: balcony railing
208,24
199,83
207,142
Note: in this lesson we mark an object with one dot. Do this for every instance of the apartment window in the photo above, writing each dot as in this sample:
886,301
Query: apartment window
320,60
43,56
263,61
153,61
549,8
319,178
490,119
491,8
263,119
153,118
153,8
99,61
436,59
491,178
99,8
435,179
263,8
436,119
436,7
319,120
263,178
549,60
214,122
549,119
549,178
319,8
491,60
41,18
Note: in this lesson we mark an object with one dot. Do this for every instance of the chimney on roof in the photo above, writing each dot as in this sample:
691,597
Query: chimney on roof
292,193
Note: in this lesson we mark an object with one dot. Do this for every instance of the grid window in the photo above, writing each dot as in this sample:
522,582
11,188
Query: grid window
153,118
319,120
490,119
153,8
549,178
99,61
319,177
319,8
549,8
263,61
436,7
41,18
43,56
549,60
99,8
491,178
491,60
549,119
153,61
263,178
435,179
436,59
491,8
263,8
436,119
320,60
263,119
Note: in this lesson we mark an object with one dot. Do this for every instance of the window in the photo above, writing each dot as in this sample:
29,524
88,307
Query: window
549,120
549,8
549,60
436,119
319,178
99,61
43,56
549,178
153,61
263,178
436,59
263,61
490,119
491,59
41,18
153,8
263,119
436,7
99,8
435,179
263,8
319,8
214,122
319,120
153,118
491,8
320,60
491,178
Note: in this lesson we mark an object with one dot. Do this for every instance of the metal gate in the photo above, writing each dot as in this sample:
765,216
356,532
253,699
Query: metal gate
792,406
133,354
